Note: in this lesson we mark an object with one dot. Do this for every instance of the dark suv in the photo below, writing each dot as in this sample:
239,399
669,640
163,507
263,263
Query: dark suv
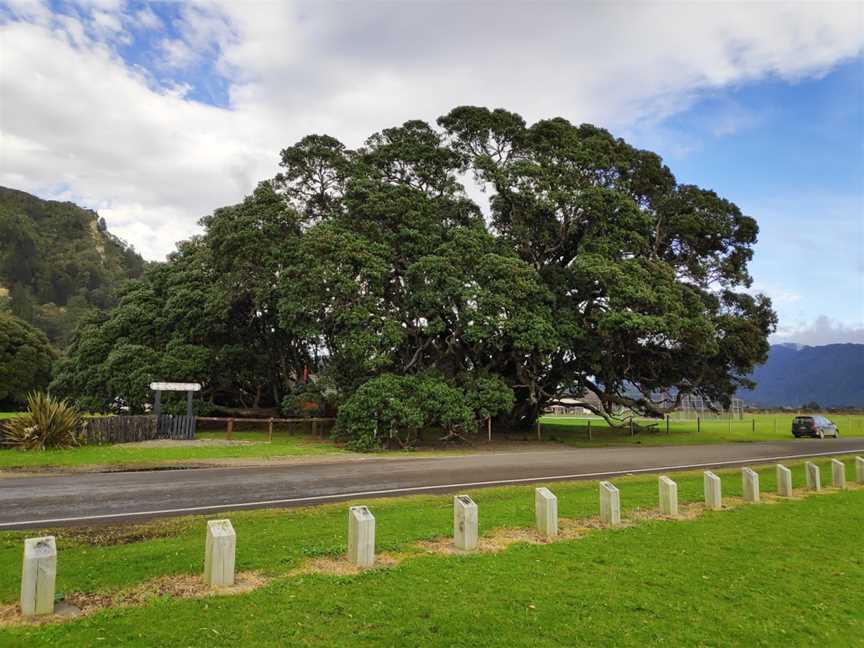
814,426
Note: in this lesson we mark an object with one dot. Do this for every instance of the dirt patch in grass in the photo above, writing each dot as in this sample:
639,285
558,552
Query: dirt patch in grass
191,443
77,604
342,567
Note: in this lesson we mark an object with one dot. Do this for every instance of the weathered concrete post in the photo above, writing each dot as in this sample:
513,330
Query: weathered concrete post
465,534
361,536
784,481
219,553
814,478
859,470
38,576
610,504
713,496
750,485
668,496
838,474
546,512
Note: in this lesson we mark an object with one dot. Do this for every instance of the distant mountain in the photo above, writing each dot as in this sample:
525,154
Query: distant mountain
831,375
58,262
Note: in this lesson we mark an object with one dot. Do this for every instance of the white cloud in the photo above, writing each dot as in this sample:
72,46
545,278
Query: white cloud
821,330
154,161
147,19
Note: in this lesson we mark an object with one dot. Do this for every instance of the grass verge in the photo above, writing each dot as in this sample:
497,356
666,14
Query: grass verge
254,446
573,430
736,577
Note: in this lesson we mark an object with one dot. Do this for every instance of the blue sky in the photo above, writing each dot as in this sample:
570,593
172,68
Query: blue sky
157,113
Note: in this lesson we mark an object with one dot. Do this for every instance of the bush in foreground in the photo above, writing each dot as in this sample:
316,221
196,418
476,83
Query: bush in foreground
47,423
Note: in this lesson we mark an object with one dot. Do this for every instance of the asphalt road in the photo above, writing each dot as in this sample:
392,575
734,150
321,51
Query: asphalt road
94,498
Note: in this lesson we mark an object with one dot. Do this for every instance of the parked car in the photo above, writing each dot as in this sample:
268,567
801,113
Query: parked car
814,426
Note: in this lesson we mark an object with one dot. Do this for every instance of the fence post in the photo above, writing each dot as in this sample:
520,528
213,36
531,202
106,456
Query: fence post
632,433
229,429
667,424
754,425
538,429
270,430
589,429
698,424
489,428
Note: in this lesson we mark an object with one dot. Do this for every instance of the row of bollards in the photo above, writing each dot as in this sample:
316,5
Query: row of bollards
40,554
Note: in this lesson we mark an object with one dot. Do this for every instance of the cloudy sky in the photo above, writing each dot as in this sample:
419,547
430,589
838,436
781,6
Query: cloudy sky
156,113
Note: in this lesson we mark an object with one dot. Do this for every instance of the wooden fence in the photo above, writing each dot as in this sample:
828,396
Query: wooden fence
316,425
129,429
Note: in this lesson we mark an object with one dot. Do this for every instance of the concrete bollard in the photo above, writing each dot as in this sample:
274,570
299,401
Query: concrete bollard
219,553
713,495
750,485
610,504
361,536
838,474
465,534
38,576
668,496
814,478
546,512
784,481
859,470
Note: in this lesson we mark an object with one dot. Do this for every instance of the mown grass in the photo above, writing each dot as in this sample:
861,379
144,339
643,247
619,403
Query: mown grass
789,573
768,427
283,445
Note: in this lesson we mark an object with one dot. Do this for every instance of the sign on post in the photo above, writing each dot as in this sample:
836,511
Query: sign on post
159,387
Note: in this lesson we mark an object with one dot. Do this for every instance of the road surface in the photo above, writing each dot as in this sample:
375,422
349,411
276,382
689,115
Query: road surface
94,498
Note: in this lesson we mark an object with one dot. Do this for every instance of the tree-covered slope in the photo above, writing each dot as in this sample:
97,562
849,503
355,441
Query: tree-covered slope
831,375
58,262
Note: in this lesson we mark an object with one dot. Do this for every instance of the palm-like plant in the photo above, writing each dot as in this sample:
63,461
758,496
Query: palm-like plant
47,423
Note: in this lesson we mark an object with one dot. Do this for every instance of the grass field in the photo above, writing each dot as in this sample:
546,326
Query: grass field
754,427
555,429
283,445
790,573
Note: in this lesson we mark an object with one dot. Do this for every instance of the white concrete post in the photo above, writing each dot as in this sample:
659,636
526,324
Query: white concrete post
838,474
814,478
784,481
610,504
361,536
750,485
465,534
859,470
546,512
219,553
713,497
38,576
668,496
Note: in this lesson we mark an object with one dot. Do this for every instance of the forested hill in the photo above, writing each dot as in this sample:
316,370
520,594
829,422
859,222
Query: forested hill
830,375
58,262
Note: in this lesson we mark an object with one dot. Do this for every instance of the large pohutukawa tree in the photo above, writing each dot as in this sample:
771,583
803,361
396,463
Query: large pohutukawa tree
648,278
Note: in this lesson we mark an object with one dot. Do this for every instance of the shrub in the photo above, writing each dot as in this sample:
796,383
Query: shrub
47,423
392,410
306,400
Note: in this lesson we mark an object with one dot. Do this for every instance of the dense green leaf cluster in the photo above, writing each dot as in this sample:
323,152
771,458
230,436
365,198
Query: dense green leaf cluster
58,263
25,360
591,272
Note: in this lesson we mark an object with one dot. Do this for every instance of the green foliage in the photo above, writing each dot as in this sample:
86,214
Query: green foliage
25,359
58,263
47,423
391,410
597,273
306,399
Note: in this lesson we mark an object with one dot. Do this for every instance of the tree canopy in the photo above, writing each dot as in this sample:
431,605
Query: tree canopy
590,271
25,360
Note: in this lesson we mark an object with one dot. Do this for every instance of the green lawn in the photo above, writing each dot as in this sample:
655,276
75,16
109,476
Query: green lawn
283,445
790,573
768,427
